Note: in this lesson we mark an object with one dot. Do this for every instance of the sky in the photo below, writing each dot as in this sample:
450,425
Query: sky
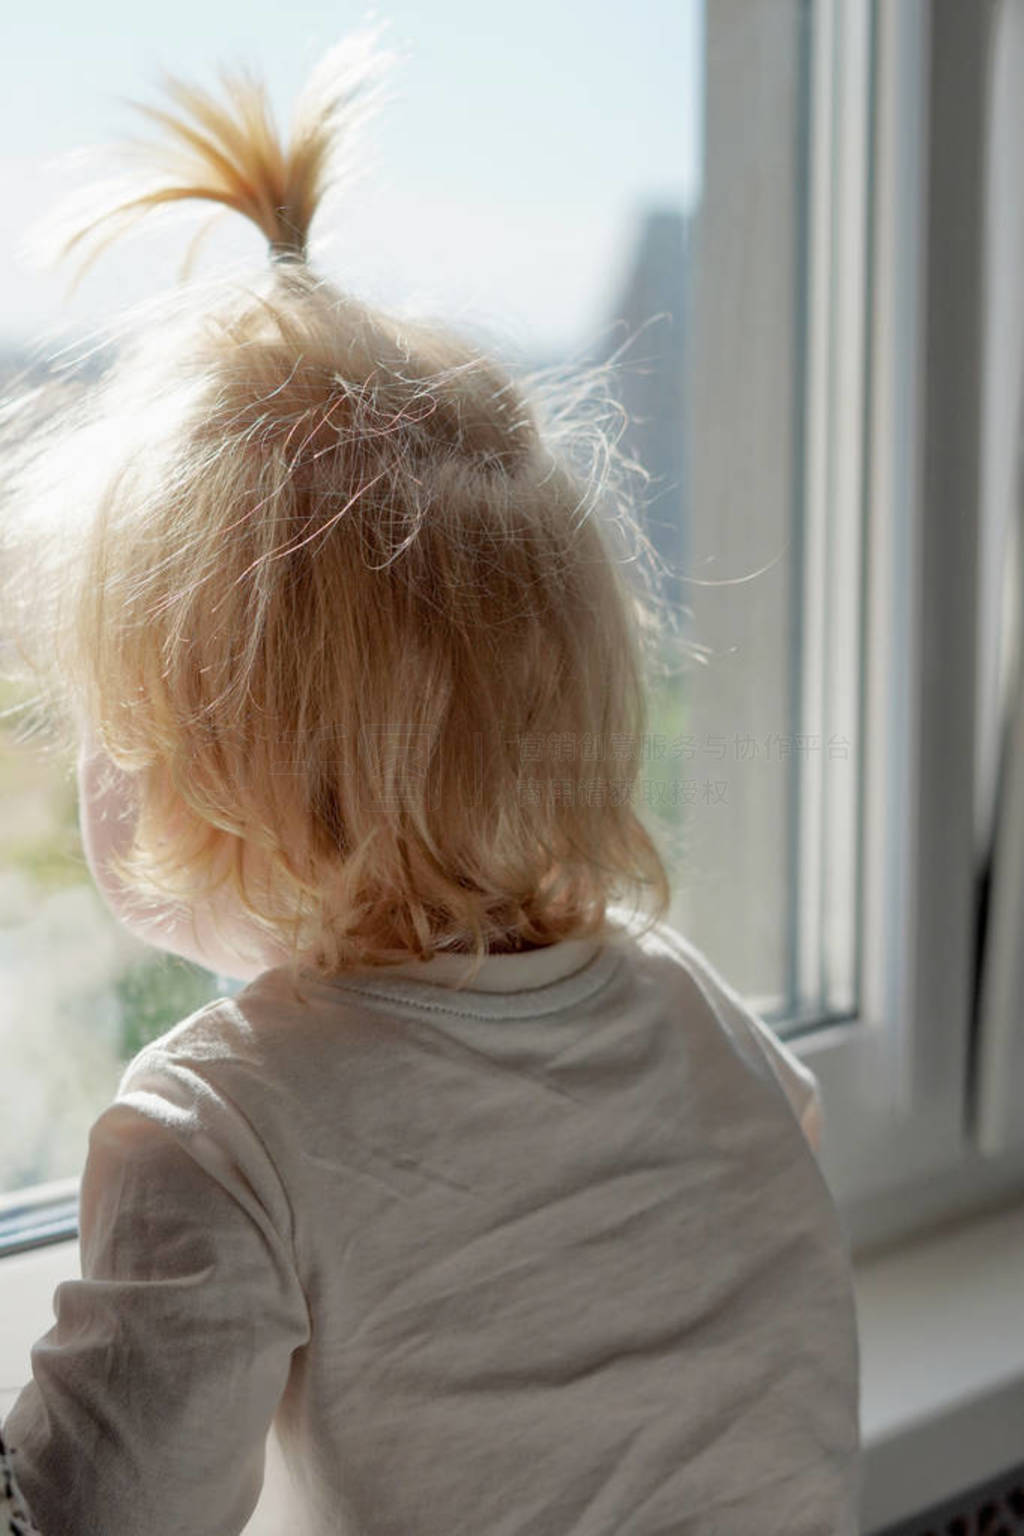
501,184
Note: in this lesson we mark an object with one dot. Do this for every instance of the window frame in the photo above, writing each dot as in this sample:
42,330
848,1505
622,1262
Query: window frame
38,1215
899,1152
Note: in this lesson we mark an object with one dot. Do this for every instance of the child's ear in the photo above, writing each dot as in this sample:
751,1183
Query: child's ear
218,938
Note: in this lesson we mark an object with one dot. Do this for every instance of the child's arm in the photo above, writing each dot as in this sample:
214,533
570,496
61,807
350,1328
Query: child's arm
153,1393
205,937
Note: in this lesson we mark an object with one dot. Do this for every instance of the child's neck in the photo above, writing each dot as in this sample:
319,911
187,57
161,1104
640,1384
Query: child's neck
511,944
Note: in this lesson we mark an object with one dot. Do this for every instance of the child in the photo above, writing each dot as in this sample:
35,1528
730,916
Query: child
487,1193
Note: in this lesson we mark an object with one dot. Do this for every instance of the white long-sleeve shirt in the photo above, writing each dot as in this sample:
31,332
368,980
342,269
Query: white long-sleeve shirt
550,1256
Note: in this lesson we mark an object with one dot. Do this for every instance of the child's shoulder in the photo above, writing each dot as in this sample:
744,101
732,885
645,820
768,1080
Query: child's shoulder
213,1032
759,1045
659,940
254,1039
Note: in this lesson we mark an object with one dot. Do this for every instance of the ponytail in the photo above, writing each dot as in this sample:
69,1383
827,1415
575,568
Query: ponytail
232,152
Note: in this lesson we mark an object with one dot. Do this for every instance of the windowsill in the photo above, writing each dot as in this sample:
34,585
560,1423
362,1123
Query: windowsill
942,1364
942,1360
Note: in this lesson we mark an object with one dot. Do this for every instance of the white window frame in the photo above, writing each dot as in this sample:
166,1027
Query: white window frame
999,789
899,1151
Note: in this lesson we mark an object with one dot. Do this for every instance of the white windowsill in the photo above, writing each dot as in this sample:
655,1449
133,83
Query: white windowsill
942,1364
942,1361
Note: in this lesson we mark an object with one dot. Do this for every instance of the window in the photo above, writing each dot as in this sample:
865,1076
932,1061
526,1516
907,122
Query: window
898,1080
749,207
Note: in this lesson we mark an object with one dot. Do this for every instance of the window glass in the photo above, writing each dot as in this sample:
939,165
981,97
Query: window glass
747,413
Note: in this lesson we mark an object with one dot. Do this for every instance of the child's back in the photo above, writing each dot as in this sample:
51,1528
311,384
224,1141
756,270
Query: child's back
548,1255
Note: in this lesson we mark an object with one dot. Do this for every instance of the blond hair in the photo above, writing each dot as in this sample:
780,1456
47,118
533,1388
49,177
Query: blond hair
323,584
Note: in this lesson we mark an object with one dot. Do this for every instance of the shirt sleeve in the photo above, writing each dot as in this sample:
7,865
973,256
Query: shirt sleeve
758,1042
795,1077
152,1395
